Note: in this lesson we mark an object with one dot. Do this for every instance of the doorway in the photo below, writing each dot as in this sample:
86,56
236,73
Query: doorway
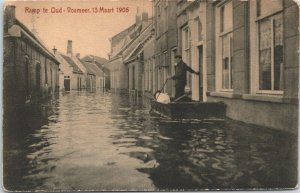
200,61
67,83
38,77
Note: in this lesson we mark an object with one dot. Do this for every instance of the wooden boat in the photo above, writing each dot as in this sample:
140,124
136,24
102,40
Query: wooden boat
190,110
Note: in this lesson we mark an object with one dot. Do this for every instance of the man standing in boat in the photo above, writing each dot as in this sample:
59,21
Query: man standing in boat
180,76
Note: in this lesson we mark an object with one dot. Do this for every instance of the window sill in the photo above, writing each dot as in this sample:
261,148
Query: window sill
255,97
222,94
268,15
223,33
263,98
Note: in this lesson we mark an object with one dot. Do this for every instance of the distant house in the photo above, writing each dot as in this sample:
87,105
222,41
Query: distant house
97,76
30,70
73,74
134,59
149,64
90,78
119,71
76,81
165,44
102,64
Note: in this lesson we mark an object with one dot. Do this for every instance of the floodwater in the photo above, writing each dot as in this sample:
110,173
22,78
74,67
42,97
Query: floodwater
95,141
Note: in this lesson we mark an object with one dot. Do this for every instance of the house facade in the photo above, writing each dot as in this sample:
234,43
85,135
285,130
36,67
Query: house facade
102,70
73,74
30,70
148,49
247,54
134,59
245,51
65,72
165,43
256,71
121,74
193,37
97,76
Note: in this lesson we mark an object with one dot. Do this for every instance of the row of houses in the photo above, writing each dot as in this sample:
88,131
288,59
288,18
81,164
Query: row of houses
246,52
32,72
80,73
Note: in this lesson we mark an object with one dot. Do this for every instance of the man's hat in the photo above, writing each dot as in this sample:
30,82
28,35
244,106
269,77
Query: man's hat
178,56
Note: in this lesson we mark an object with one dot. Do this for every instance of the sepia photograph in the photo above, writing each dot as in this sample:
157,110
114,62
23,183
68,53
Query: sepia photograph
150,95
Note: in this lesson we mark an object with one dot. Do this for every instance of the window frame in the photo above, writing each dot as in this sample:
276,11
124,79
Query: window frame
222,32
186,50
258,19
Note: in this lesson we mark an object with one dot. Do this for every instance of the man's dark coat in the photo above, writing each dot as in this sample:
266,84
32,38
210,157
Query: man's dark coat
180,77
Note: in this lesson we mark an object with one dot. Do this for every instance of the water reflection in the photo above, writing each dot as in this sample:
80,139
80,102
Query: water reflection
90,141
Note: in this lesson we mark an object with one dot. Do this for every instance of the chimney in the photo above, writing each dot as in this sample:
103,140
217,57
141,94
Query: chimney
137,16
69,48
9,17
145,16
78,55
54,50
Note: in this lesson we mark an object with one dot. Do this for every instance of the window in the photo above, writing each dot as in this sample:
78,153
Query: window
38,76
227,61
158,12
265,8
270,47
166,63
27,83
150,74
186,44
199,29
226,18
186,50
158,9
226,39
46,71
133,77
222,19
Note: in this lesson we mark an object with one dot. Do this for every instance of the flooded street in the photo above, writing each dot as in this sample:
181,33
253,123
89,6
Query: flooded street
96,141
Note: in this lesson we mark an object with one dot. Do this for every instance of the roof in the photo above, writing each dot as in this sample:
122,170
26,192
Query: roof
88,67
37,40
104,68
127,39
118,37
136,45
93,68
76,69
101,63
91,58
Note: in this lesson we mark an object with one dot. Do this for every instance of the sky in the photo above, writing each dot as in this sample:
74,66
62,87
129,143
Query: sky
90,32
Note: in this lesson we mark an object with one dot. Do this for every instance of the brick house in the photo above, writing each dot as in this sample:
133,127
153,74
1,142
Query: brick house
165,43
30,70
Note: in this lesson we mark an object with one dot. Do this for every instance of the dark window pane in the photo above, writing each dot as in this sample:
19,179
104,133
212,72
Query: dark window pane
265,70
265,43
278,52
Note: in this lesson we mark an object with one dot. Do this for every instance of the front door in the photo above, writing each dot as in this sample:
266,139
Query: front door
200,60
67,84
